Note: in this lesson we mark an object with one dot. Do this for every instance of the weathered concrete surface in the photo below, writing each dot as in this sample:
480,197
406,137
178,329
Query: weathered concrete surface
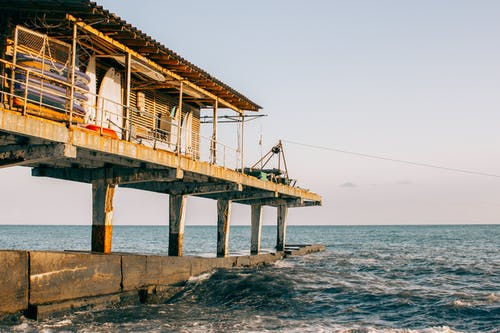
258,260
264,259
60,281
58,276
14,281
44,311
174,270
300,250
141,271
134,272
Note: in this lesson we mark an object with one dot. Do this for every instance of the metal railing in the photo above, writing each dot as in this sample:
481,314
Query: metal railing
37,93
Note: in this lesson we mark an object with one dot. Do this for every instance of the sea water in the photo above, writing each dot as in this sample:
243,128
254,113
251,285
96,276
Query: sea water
370,279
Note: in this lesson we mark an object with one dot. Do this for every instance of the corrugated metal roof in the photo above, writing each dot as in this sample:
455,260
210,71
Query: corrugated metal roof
120,30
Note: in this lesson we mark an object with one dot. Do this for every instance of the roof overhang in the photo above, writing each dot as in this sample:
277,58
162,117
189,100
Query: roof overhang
95,18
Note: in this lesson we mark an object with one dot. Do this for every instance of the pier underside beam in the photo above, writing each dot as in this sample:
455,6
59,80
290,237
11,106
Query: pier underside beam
276,202
185,188
281,239
14,155
223,219
177,214
102,215
256,217
111,175
241,195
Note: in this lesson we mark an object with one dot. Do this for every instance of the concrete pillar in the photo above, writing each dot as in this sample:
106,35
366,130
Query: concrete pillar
282,214
256,229
223,217
176,224
102,216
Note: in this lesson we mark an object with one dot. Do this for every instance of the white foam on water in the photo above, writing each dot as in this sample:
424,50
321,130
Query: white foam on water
284,264
201,277
492,298
23,327
361,329
461,304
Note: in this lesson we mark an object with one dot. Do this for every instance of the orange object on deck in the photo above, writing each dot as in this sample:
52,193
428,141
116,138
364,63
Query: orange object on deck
105,131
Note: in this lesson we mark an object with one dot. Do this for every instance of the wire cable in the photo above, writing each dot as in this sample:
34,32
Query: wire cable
420,164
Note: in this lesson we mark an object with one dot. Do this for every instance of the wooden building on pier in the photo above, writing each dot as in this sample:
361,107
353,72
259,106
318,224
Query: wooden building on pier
87,97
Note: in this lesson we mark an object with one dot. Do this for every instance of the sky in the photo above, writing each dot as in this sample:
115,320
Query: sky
409,80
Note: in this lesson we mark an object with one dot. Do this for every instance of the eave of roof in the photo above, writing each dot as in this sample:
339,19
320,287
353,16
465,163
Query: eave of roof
117,28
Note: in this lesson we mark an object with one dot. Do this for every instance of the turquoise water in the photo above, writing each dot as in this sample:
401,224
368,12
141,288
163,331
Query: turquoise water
371,279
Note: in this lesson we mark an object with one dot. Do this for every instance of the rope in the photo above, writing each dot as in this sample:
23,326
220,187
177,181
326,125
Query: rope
390,159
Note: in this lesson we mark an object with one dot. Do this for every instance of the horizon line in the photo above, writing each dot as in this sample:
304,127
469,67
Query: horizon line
264,225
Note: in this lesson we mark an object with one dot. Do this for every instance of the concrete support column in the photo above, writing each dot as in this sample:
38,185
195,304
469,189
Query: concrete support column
282,214
176,224
223,217
256,229
102,216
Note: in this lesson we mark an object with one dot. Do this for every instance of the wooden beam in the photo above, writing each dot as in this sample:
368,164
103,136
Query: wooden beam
135,42
177,209
185,188
223,219
148,49
13,155
108,175
163,61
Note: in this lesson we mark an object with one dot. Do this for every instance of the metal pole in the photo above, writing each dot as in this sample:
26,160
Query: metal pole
155,129
73,64
127,125
179,118
101,116
242,142
13,74
26,92
213,148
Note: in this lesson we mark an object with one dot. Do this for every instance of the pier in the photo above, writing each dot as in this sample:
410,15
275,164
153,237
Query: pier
87,97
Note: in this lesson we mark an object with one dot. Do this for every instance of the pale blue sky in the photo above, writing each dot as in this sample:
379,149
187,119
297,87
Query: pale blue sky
415,80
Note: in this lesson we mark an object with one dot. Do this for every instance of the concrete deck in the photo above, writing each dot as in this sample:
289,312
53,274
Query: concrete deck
55,150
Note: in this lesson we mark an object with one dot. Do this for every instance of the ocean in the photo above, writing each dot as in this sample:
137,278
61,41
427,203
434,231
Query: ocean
394,279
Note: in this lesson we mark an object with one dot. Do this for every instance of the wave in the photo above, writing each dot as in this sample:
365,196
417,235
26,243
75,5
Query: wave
239,288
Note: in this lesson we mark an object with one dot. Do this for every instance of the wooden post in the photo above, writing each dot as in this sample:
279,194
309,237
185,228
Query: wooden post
102,216
176,224
223,217
282,214
256,229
